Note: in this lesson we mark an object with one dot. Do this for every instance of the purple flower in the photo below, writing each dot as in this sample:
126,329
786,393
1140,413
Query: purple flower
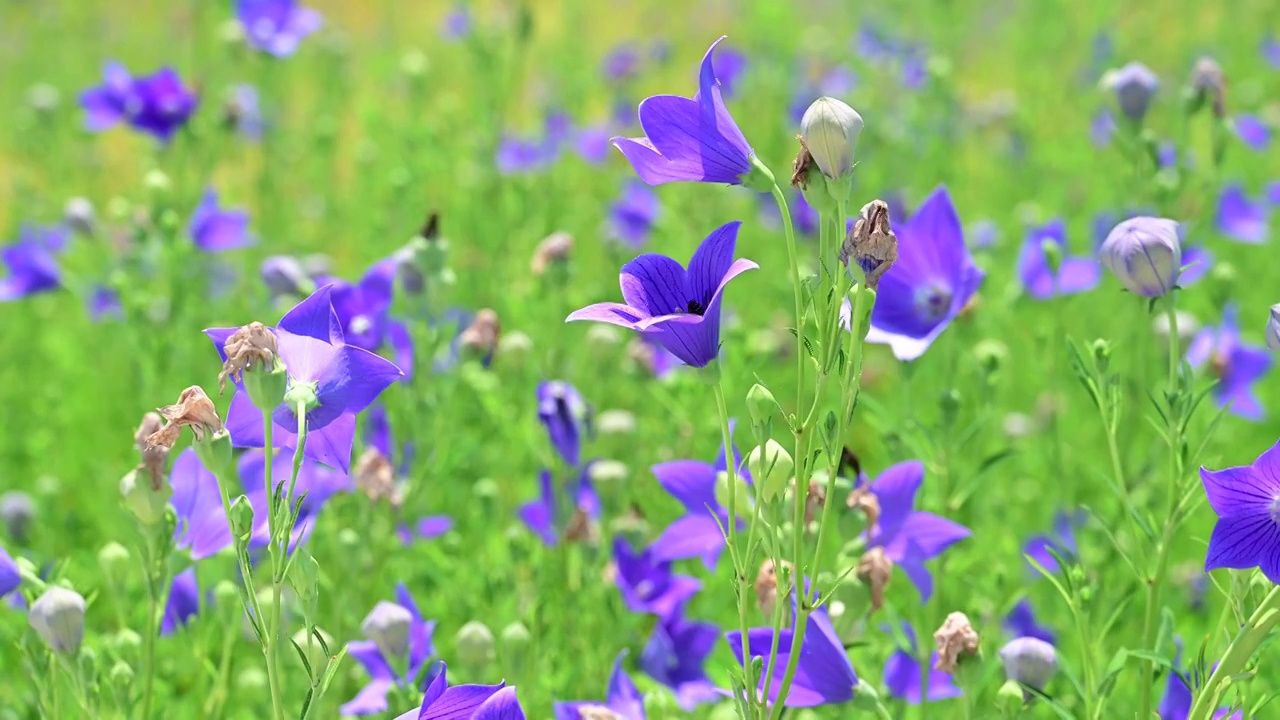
910,537
382,674
689,139
1272,192
592,144
647,584
346,378
157,104
680,309
904,680
631,218
1076,274
1247,534
1271,51
1177,700
183,603
216,230
32,265
10,578
276,27
932,280
243,112
466,702
622,698
1062,541
545,517
1197,262
284,276
103,303
983,234
621,63
112,102
566,417
519,155
1240,218
197,502
1236,364
729,70
457,24
824,675
1252,130
1102,127
1021,622
1134,85
675,655
697,533
364,309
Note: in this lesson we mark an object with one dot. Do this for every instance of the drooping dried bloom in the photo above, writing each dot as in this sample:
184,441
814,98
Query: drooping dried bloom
582,528
1208,83
195,410
482,335
815,500
250,346
871,242
153,456
875,569
864,500
767,588
376,478
802,166
956,640
553,249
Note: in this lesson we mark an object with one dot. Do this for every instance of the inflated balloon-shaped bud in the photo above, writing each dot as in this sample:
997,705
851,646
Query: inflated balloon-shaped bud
57,616
830,131
771,467
1144,254
1029,661
387,625
1134,86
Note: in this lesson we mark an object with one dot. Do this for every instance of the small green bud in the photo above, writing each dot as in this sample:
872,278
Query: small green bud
88,662
414,63
315,652
761,405
126,639
991,355
266,389
147,503
251,680
742,494
1011,698
349,538
226,594
302,394
214,452
475,644
759,178
121,674
157,182
771,467
113,557
865,697
241,520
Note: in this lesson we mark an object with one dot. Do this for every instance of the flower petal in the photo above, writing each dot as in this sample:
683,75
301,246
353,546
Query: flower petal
314,318
607,312
1241,541
692,482
711,261
654,285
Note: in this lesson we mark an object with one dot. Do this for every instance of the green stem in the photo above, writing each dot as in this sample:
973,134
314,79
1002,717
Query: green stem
150,631
731,530
271,639
1242,647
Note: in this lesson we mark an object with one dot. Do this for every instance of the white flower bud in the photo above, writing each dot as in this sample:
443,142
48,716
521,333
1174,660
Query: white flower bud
1030,661
475,644
1273,328
771,467
1144,254
58,617
830,131
387,625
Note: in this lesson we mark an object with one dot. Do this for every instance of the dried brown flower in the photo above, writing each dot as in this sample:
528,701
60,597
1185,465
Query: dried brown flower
195,410
582,529
866,501
482,335
376,478
555,248
956,640
1209,83
871,242
252,345
154,457
767,587
875,569
814,501
801,166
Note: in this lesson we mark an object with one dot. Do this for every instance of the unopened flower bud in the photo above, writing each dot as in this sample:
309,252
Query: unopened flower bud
1134,85
991,354
607,472
875,570
1273,328
126,639
121,674
616,422
387,625
43,98
251,348
1029,661
761,405
554,250
241,519
144,499
251,680
742,496
956,640
771,467
314,650
515,637
830,130
57,616
17,511
79,214
1011,697
157,182
1207,85
871,243
866,698
514,345
475,644
195,410
1144,254
113,558
226,594
480,339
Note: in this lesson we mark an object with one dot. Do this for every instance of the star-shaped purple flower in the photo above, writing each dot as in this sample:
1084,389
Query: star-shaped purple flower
680,309
364,311
347,379
1021,622
32,262
697,533
1177,700
466,702
1247,501
1241,218
904,680
158,104
372,698
632,217
648,585
183,602
545,515
622,698
276,27
1236,364
931,282
910,537
675,655
1076,274
685,139
215,230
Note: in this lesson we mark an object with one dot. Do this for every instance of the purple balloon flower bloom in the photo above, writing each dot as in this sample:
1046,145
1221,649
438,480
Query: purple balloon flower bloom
1240,218
689,139
1021,622
466,702
1252,130
364,309
647,584
1177,700
276,27
566,416
1237,365
675,655
10,578
519,155
1271,51
1102,127
202,523
592,144
347,379
621,63
111,102
697,533
904,680
622,698
103,303
457,24
382,673
910,537
33,267
1247,534
931,282
216,230
157,104
1076,274
1062,541
631,218
545,517
680,309
183,603
243,112
824,675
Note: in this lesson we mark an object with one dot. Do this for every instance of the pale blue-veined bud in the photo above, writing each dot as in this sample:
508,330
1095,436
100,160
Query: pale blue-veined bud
1134,85
1029,661
78,212
57,616
830,130
1145,255
17,511
387,625
1273,328
771,467
475,644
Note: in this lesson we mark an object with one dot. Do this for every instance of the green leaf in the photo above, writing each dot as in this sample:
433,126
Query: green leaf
302,655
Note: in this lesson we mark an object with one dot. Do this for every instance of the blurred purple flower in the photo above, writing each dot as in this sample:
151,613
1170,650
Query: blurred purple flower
10,577
680,308
592,144
183,603
687,139
622,63
242,111
372,698
1062,540
545,516
1271,51
276,27
1134,85
730,68
1272,192
621,698
648,585
216,230
363,310
157,104
1167,155
1236,364
284,276
697,532
103,303
1021,622
567,418
458,23
904,680
983,234
1252,130
915,68
1102,127
1075,275
466,702
1177,701
835,82
518,155
932,280
631,218
197,502
1197,262
32,262
675,655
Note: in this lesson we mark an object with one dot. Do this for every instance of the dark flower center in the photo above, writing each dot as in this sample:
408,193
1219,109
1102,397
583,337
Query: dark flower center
933,302
695,308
